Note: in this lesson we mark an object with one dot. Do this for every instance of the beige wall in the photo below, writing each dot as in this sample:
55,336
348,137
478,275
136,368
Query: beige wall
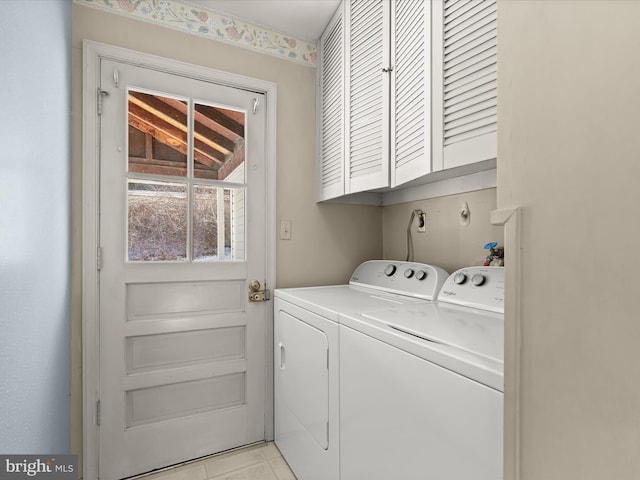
447,242
569,143
328,241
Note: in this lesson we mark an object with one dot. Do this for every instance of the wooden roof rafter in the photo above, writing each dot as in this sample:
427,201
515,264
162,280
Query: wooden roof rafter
218,133
175,137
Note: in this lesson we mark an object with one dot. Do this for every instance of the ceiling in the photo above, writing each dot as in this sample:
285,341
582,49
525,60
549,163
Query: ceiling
302,19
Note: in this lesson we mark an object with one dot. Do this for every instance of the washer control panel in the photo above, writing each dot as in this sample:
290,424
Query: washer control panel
478,287
406,278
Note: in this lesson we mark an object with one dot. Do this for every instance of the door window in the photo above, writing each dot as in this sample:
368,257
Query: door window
186,184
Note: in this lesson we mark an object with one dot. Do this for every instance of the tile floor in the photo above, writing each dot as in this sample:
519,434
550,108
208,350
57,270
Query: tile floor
257,462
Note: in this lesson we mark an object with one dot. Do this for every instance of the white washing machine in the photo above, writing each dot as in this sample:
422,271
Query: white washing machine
306,377
421,386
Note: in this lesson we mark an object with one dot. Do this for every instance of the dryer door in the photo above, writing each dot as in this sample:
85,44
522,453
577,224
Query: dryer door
302,376
306,391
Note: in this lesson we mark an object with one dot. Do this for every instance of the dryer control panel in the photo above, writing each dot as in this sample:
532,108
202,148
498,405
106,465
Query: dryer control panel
477,287
405,278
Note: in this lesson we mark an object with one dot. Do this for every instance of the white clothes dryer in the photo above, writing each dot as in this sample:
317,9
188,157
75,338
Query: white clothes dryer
421,385
306,373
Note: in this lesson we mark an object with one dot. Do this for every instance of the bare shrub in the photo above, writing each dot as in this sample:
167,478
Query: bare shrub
158,222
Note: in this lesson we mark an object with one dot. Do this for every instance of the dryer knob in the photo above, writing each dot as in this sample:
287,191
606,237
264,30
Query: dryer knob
460,278
421,275
477,279
408,273
390,270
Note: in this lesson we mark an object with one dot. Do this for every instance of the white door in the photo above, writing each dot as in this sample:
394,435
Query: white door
182,233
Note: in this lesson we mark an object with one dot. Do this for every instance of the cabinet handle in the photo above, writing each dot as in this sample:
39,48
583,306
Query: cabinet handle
387,70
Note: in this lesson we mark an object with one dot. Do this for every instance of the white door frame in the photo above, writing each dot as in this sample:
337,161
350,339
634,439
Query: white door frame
92,53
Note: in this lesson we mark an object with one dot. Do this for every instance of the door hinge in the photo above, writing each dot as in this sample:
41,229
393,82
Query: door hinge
99,258
98,412
101,95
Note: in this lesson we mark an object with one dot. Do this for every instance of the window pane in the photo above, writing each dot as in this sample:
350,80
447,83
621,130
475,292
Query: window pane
157,134
218,142
236,225
218,223
205,223
157,221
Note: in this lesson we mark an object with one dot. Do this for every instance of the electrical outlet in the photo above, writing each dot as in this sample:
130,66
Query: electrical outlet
285,229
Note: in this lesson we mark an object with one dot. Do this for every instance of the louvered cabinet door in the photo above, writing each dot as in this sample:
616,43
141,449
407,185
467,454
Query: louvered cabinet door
368,95
331,108
468,69
410,90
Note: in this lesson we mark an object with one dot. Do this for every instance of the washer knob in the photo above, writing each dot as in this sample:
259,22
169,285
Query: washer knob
460,278
477,279
408,273
421,275
390,270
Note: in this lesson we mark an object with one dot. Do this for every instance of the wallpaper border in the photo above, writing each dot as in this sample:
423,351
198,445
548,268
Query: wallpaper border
186,17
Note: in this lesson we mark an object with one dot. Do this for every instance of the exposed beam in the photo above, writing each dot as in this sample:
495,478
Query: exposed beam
218,116
172,136
225,117
178,119
166,167
232,163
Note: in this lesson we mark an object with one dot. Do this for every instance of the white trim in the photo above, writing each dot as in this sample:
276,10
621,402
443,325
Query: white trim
441,188
510,219
270,250
90,236
362,198
92,53
434,185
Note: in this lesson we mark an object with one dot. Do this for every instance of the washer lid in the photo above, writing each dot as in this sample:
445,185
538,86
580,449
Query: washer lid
474,331
464,340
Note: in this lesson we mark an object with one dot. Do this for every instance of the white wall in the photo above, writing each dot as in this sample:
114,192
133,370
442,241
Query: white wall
569,155
35,39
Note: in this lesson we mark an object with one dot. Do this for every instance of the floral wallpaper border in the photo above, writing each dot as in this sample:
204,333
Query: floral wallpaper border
185,17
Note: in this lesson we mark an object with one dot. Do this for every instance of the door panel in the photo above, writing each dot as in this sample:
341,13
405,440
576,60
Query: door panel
150,300
166,349
182,231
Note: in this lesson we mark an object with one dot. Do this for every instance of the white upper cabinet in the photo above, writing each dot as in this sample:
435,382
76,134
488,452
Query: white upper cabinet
405,88
331,108
410,90
374,68
465,52
367,87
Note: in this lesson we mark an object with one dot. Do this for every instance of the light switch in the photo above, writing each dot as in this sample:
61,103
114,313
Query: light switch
285,229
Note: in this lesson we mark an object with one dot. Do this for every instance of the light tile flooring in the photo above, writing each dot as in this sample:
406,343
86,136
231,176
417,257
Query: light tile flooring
257,462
